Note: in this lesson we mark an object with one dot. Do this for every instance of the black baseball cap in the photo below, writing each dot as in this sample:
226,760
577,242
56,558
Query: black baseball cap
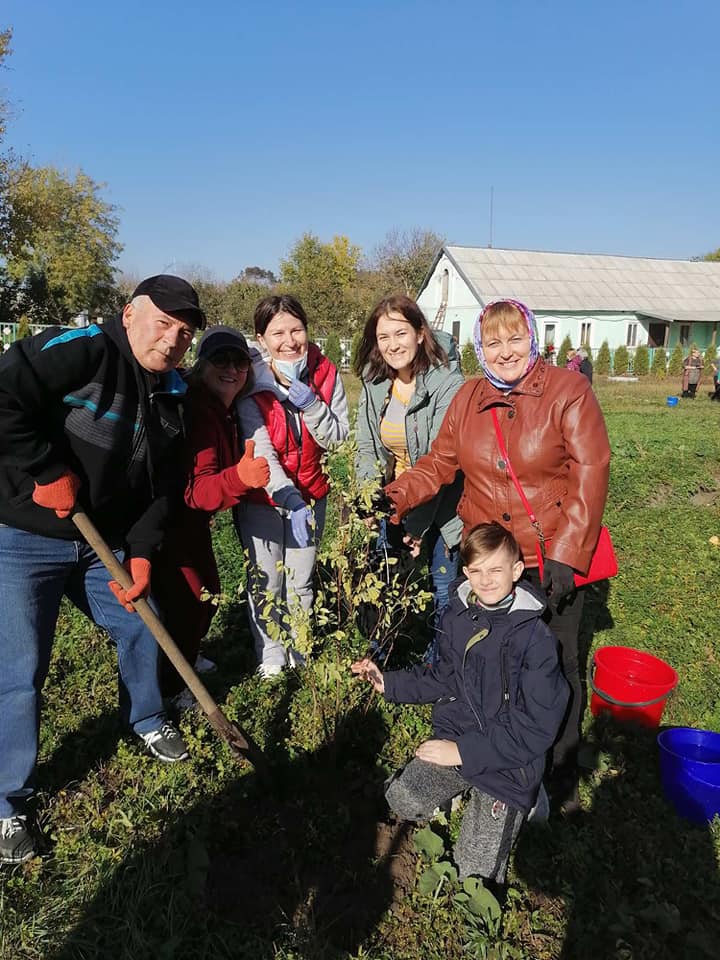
221,338
173,295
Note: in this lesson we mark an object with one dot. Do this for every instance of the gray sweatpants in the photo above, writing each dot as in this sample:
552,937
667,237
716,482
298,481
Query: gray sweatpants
280,574
489,827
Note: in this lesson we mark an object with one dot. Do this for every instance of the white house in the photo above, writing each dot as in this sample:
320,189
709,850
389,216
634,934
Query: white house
591,297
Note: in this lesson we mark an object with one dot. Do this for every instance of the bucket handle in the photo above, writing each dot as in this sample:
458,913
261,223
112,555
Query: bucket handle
621,703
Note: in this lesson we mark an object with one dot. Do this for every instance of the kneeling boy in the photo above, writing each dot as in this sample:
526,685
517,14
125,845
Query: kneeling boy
499,696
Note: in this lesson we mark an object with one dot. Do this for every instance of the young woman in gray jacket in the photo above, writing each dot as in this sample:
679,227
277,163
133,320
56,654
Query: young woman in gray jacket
409,376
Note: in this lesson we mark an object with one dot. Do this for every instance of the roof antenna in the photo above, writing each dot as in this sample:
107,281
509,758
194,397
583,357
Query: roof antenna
491,217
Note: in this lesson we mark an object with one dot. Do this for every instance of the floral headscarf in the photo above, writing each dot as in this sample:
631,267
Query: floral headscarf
532,330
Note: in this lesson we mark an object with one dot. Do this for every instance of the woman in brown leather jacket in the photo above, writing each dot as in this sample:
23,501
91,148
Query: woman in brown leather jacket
557,443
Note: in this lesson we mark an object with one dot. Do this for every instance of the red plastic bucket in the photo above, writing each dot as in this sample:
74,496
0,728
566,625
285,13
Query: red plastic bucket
631,685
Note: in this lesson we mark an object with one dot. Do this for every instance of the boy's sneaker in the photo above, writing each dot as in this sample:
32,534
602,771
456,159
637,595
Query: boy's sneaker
269,670
203,665
16,844
166,743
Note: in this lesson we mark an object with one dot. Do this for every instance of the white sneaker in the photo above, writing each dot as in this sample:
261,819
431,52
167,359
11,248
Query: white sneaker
203,665
184,701
269,670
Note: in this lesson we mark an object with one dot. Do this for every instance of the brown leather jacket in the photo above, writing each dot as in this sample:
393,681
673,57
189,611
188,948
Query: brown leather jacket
557,442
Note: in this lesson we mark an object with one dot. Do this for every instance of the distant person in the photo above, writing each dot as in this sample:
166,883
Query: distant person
586,367
715,395
499,697
573,360
89,416
693,366
297,411
219,474
409,375
556,442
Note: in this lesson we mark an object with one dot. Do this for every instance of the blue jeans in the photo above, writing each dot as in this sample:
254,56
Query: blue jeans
35,572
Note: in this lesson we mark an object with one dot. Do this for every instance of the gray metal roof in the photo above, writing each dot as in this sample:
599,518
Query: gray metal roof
682,290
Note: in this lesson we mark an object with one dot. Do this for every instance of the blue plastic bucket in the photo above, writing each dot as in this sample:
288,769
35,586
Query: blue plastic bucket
672,401
690,772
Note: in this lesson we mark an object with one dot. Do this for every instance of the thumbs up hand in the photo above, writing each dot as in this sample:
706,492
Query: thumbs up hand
252,471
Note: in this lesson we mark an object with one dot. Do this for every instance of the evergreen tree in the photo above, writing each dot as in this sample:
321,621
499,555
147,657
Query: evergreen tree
333,350
621,361
659,364
469,363
641,361
675,366
602,362
563,351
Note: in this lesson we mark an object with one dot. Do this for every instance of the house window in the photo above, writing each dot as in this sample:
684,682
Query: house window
585,334
684,334
549,333
631,340
456,331
444,285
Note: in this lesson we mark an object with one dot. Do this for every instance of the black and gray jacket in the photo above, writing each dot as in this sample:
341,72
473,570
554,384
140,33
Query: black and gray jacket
76,399
498,690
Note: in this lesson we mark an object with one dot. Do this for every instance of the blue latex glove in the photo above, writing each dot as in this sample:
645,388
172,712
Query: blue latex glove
301,394
300,520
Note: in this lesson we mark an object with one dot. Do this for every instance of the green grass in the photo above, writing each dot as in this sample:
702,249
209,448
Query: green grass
202,860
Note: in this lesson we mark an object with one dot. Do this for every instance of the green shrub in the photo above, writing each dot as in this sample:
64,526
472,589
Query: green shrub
602,362
710,355
641,361
469,363
333,350
563,351
621,361
675,365
23,328
659,364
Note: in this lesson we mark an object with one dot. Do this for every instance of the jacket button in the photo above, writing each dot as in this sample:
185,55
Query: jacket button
501,464
506,517
511,414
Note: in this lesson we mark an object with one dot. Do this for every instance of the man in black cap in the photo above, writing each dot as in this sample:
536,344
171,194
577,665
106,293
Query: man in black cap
91,416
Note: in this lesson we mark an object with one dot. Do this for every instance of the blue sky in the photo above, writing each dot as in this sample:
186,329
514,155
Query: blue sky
226,130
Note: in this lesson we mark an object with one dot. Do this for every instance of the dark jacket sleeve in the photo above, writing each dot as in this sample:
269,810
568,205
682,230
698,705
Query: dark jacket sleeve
35,375
421,684
532,724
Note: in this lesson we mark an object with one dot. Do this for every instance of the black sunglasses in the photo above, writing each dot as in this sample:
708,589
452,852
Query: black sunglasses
230,358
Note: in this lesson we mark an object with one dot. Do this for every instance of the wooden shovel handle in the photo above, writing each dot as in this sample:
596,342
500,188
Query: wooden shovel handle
118,572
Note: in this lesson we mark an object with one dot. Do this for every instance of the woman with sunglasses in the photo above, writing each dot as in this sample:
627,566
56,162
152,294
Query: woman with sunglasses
298,410
219,475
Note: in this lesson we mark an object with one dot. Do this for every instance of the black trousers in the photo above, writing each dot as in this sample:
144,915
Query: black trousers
565,625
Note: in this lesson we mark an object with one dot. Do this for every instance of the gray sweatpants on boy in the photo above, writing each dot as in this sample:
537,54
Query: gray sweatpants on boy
280,573
489,827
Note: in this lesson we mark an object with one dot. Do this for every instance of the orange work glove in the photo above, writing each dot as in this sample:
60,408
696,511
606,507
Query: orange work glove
60,495
139,569
253,472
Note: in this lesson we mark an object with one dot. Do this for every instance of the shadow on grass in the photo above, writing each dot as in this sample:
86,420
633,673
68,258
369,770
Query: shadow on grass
304,865
638,882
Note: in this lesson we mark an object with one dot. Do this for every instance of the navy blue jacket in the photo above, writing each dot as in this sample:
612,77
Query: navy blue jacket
498,690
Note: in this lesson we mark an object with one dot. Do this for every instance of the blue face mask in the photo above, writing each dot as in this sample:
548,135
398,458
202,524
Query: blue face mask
291,369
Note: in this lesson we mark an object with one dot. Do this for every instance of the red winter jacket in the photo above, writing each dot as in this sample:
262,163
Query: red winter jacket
301,461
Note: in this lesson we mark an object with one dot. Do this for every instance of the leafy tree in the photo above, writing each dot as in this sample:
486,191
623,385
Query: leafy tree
563,351
258,275
5,159
675,366
659,364
602,361
714,255
354,347
62,230
469,362
641,361
322,276
621,361
333,350
404,258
